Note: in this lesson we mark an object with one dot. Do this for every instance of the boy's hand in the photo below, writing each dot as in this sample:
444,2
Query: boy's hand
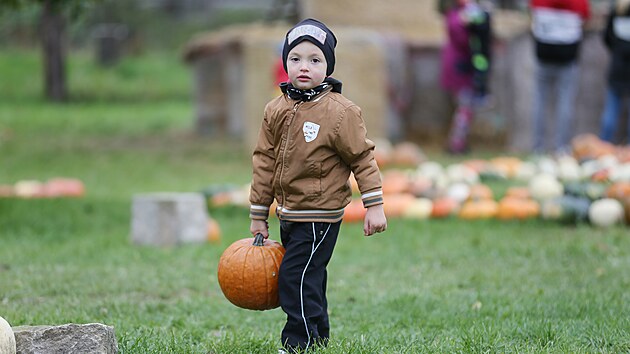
259,227
375,220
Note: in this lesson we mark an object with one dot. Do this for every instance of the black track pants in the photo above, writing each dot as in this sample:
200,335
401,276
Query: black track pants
302,282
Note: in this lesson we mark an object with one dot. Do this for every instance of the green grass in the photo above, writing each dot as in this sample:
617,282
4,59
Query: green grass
422,287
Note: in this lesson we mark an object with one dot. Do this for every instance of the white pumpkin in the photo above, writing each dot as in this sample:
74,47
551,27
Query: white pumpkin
7,338
605,212
526,171
28,188
458,191
545,186
548,165
568,169
608,161
461,173
620,173
431,170
419,208
589,168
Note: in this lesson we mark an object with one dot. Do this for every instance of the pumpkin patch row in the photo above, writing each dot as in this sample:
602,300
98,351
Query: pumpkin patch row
53,188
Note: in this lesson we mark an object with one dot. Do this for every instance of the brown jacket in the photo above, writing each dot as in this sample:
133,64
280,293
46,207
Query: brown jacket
304,156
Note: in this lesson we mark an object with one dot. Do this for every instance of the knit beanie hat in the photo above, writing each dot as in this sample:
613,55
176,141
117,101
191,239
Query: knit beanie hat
315,32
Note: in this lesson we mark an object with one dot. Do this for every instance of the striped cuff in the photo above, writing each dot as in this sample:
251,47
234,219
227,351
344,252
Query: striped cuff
372,198
258,212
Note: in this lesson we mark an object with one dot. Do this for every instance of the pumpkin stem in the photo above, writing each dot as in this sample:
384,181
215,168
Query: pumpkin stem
258,239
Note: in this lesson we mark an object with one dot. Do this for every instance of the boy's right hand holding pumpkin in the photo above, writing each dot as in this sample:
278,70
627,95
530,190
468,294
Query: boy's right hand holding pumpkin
259,227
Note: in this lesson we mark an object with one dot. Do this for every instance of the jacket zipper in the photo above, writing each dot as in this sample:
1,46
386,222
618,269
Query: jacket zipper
284,151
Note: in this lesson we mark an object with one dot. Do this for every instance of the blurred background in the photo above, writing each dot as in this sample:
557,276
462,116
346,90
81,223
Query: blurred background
216,52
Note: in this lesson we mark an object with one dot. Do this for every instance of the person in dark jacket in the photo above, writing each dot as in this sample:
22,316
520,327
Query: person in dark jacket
617,39
557,28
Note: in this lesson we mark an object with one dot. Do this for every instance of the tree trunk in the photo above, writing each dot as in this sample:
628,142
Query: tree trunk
53,35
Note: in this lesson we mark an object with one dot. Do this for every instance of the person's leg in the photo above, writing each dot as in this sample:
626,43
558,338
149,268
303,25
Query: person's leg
542,89
610,114
460,124
568,80
301,282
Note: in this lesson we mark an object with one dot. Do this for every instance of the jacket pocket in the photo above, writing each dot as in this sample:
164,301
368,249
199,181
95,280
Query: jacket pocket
315,179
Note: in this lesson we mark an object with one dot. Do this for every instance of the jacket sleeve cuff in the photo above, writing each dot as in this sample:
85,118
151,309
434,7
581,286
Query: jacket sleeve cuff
372,198
258,212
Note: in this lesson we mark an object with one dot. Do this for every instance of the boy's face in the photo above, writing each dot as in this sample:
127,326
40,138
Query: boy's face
306,65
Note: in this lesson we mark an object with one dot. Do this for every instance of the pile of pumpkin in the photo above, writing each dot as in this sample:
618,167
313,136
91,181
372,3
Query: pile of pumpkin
594,188
591,185
57,187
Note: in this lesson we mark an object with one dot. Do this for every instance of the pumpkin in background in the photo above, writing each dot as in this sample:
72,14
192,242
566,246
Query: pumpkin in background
419,208
444,207
477,165
518,192
6,190
29,189
395,181
64,187
355,211
395,205
479,209
459,191
511,208
565,209
214,231
589,146
618,190
545,186
421,186
606,212
507,165
590,190
354,186
480,191
248,273
407,154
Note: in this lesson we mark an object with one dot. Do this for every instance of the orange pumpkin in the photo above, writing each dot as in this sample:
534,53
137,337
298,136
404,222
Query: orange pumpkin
395,181
214,231
618,190
589,146
407,154
395,205
511,208
507,165
477,165
248,273
355,211
518,192
480,191
479,209
64,187
354,186
444,207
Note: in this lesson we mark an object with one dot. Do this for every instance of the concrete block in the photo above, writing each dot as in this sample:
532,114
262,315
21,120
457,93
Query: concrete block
169,218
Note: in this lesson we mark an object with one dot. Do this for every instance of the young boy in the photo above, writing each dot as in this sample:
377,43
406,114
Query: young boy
311,138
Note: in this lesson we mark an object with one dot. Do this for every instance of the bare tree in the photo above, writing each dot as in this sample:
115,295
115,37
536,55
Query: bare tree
52,30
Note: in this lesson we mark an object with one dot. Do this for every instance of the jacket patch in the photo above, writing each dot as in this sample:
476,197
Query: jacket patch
310,130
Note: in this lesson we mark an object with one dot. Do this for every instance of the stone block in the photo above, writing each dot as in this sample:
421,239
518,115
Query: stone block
92,338
169,218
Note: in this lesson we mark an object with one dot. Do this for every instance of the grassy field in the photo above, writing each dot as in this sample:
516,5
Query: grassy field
423,286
